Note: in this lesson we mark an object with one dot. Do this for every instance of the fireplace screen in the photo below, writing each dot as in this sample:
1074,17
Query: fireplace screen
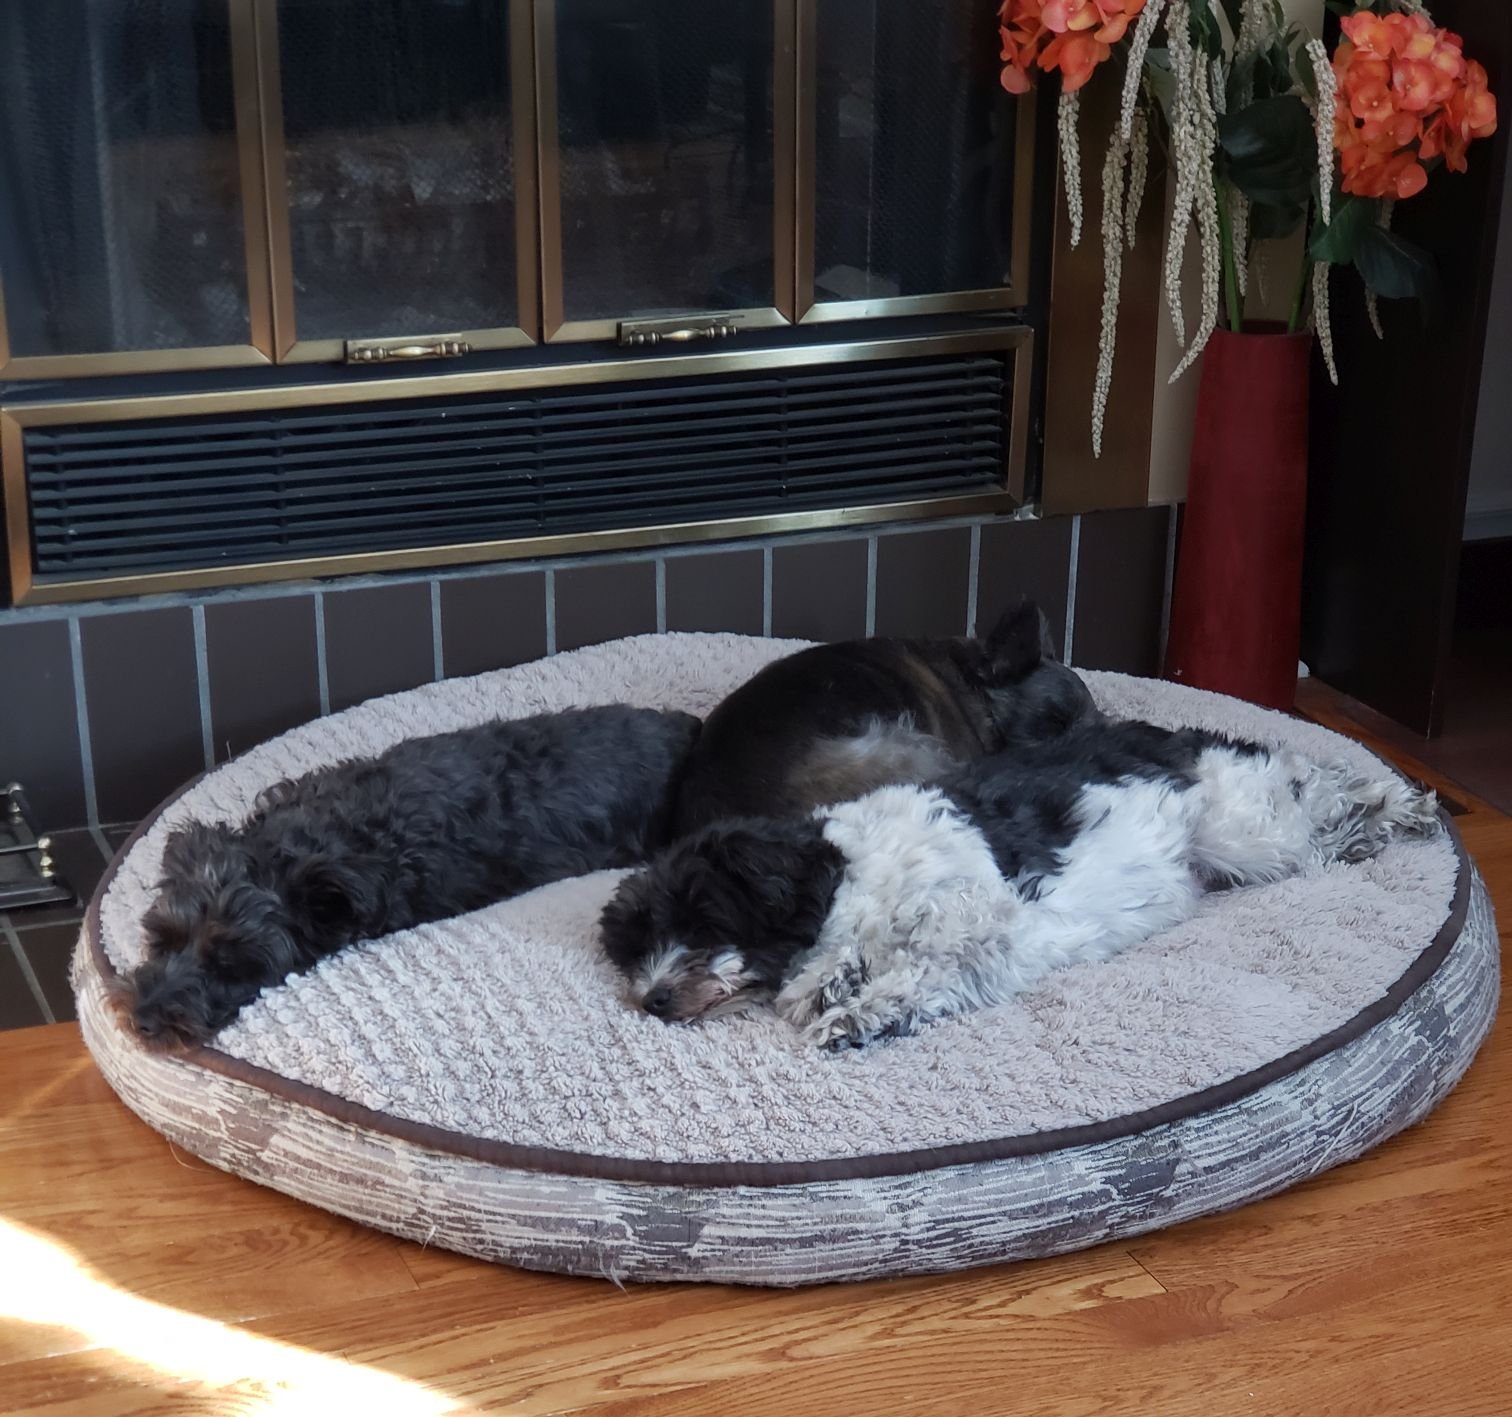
193,183
600,240
122,220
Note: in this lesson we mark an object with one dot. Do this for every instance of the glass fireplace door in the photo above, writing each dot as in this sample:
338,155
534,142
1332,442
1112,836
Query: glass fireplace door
131,225
401,173
915,167
666,166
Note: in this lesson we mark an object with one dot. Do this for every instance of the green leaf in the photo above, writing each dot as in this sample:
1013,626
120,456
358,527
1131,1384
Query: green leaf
1269,150
1207,34
1306,73
1394,267
1162,80
1336,242
1234,12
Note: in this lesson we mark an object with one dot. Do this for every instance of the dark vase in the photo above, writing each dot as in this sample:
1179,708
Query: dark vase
1237,602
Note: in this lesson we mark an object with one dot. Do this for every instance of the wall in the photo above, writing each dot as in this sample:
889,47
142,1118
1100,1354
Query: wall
1488,509
109,706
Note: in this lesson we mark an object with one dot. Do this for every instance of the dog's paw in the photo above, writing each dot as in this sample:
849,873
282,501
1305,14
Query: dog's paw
849,1026
842,988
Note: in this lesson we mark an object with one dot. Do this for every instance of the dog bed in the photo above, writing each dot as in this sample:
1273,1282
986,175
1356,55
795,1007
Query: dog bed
480,1083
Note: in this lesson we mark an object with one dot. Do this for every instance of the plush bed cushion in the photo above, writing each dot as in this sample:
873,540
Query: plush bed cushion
502,1035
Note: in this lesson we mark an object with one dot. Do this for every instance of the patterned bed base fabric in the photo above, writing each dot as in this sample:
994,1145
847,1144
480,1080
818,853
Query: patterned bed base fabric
952,1217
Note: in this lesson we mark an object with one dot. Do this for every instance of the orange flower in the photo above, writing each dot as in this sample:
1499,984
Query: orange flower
1409,96
1076,56
1073,36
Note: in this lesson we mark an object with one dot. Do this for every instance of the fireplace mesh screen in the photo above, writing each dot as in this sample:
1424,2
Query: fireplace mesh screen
238,489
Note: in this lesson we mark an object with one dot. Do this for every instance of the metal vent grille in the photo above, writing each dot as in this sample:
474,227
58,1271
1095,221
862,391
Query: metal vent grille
201,492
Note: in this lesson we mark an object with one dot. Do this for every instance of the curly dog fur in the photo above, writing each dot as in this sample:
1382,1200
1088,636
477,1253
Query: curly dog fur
432,828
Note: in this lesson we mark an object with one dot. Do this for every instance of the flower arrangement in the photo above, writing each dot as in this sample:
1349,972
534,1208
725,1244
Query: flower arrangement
1267,133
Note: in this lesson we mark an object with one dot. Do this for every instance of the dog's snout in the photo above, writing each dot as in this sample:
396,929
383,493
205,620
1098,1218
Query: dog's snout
658,1002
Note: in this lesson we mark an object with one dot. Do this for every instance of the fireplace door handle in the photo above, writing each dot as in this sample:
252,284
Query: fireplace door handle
641,334
373,351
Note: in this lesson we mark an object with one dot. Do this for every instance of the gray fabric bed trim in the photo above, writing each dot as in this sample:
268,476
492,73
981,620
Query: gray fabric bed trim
951,1216
603,1167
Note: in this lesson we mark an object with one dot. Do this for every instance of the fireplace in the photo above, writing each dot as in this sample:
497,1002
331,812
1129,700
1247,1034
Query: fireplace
290,288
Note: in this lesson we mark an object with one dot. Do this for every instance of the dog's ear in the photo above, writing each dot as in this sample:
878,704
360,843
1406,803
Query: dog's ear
779,869
329,895
202,851
1020,642
625,924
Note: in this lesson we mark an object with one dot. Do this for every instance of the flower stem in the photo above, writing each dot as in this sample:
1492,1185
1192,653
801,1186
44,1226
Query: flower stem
1230,270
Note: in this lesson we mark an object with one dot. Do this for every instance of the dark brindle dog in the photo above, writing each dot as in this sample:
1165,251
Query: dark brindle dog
836,721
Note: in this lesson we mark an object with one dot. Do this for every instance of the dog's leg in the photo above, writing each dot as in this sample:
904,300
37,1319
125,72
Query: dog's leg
851,1006
1353,816
891,982
1267,815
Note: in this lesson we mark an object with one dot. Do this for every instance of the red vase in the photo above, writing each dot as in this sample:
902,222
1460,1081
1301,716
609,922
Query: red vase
1236,606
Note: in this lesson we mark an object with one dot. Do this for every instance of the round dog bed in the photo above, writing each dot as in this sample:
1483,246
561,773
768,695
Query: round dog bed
480,1083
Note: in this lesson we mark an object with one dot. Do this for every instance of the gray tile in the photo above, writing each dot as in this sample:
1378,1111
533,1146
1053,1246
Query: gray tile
144,708
264,674
717,591
604,601
492,622
39,735
18,1008
1120,590
1024,560
49,949
378,641
922,582
819,590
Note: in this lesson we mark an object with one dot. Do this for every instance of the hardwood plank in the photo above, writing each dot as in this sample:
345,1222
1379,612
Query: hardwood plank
596,1353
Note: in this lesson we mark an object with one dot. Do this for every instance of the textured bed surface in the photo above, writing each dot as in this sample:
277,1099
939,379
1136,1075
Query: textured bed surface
507,1026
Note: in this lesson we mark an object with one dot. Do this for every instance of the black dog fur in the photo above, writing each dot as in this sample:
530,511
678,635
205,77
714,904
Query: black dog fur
432,828
833,722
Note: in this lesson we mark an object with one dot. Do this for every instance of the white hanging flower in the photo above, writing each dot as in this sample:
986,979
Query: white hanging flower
1255,19
1372,303
1139,46
1112,233
1197,155
1239,228
1183,157
1139,172
1322,320
1067,116
1323,124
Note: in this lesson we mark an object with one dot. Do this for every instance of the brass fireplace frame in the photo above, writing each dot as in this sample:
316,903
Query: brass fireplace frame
557,328
16,418
808,310
290,349
273,335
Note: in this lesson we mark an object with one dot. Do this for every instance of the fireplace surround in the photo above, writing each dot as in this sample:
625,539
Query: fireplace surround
298,288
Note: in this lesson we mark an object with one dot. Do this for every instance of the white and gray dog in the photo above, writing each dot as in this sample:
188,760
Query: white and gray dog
871,919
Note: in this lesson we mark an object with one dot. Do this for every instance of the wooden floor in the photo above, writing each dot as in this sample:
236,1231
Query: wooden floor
134,1279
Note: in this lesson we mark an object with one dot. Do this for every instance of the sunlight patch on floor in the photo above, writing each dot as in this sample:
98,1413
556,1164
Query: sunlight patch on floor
43,1282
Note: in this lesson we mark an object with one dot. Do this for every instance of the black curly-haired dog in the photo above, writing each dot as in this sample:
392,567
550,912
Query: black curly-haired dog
432,828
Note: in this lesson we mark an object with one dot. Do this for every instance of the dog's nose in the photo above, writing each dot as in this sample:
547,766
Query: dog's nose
658,1002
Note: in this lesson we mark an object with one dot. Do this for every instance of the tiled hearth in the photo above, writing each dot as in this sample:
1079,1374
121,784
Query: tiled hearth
107,707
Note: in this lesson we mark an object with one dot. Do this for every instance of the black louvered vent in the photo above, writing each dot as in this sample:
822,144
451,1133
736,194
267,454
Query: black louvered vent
171,494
